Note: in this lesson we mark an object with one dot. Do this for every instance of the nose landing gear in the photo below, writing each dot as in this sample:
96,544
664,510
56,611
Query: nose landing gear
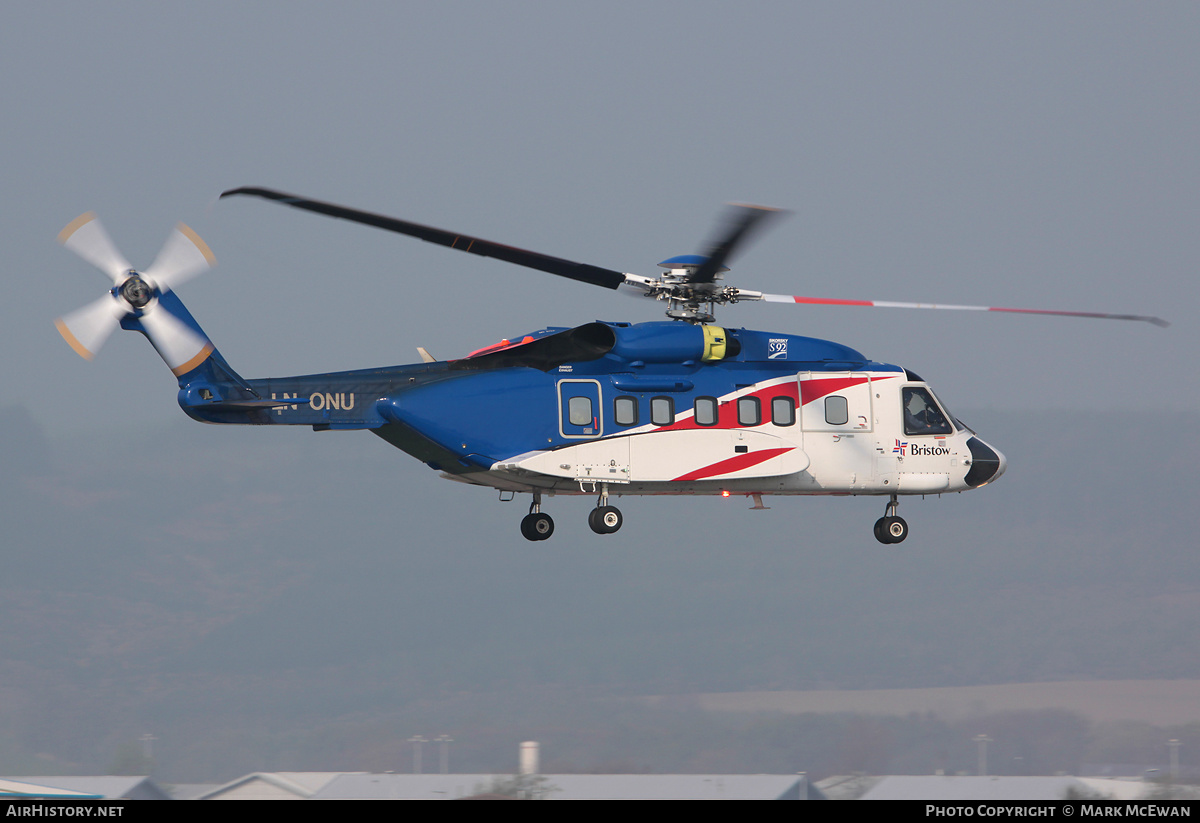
891,528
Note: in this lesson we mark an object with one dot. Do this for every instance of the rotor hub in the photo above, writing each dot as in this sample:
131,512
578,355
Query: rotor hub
136,291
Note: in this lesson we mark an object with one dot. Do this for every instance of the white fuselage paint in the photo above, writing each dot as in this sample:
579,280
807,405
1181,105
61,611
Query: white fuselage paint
857,444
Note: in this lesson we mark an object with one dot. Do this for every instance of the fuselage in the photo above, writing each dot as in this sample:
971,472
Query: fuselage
651,408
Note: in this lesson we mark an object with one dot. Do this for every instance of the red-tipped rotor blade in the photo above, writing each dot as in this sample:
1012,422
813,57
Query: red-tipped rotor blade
886,304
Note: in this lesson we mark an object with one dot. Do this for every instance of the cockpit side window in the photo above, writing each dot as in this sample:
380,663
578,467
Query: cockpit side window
922,414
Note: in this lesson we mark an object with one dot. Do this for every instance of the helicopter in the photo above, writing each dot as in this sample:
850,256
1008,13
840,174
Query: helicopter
605,409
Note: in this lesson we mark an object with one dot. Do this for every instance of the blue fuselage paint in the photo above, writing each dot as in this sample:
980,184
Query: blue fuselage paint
485,410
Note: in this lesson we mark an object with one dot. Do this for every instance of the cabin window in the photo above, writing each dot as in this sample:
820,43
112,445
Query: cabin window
662,411
783,411
625,411
837,411
921,413
706,411
749,411
579,411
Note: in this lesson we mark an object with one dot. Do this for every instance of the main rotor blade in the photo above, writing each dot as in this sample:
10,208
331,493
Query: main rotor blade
821,301
182,257
86,237
742,221
582,272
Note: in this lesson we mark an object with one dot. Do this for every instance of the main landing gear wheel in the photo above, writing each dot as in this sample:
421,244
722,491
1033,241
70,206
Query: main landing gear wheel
537,526
605,519
891,529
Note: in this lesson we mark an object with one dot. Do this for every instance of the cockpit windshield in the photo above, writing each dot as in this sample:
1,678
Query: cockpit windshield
922,415
958,424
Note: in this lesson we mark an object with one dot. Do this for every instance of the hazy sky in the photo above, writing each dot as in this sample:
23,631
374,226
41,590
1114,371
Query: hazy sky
1016,154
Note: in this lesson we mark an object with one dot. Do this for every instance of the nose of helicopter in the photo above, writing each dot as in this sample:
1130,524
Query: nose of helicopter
986,463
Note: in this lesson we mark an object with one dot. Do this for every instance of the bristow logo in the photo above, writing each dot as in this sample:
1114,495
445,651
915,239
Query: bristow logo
916,449
900,448
777,348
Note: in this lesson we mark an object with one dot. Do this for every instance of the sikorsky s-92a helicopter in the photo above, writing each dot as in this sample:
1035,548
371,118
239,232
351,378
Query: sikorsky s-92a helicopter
681,406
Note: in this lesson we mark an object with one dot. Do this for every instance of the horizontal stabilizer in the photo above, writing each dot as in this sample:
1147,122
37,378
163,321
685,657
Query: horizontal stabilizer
248,405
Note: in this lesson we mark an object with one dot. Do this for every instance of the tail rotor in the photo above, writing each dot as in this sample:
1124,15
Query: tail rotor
144,299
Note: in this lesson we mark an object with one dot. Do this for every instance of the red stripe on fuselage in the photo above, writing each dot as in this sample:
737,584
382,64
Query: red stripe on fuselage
733,464
815,389
727,409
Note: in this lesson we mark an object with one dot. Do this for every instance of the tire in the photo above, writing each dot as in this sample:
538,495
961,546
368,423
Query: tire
880,534
537,526
605,519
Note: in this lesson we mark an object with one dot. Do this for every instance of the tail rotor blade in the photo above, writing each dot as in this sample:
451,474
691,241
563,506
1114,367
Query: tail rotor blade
182,257
86,329
86,237
181,346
